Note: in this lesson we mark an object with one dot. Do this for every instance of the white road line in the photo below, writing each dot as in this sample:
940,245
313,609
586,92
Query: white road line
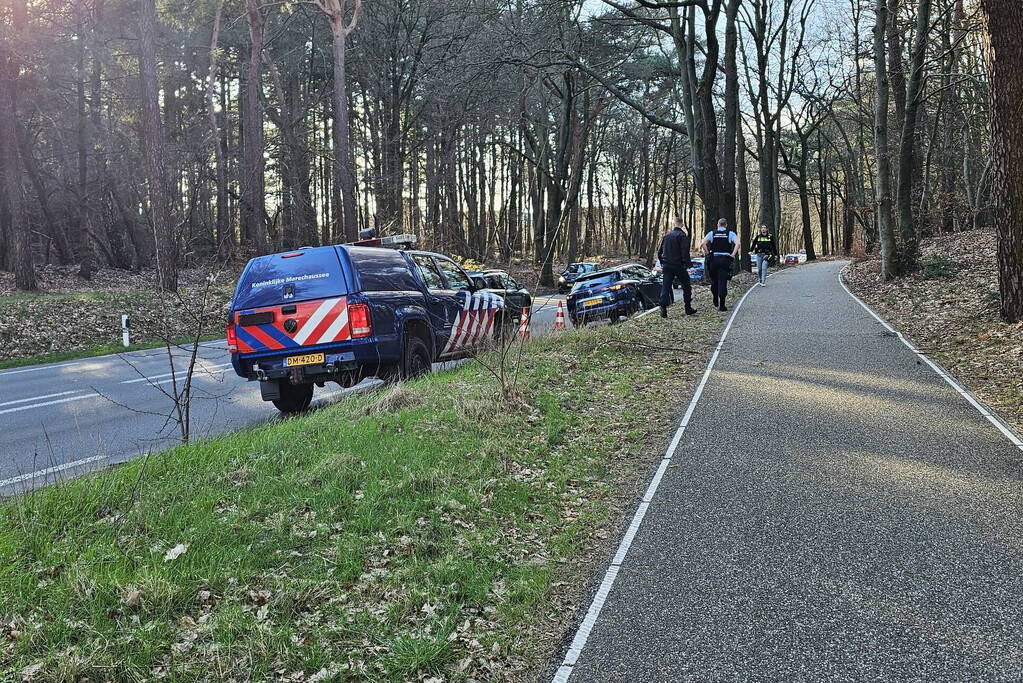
37,398
583,633
44,367
51,470
48,403
991,417
194,377
198,369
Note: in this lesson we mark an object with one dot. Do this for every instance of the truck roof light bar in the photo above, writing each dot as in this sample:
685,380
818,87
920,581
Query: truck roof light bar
396,241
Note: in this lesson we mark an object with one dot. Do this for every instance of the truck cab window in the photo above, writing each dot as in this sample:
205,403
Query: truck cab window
457,279
428,271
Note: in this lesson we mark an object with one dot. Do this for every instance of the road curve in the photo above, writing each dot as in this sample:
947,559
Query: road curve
834,511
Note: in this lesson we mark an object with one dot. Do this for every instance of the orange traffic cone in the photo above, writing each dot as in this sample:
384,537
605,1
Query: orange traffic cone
524,323
559,317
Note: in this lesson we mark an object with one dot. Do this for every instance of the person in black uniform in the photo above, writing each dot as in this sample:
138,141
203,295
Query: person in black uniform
764,248
720,246
674,256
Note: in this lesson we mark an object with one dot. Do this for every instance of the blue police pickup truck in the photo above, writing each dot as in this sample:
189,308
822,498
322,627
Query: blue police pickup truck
344,313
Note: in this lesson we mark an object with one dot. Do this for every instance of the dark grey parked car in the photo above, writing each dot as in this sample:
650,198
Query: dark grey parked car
573,273
504,285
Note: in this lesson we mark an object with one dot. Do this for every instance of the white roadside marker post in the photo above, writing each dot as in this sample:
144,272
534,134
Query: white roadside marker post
125,330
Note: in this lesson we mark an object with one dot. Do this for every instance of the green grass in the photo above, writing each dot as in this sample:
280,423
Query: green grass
433,529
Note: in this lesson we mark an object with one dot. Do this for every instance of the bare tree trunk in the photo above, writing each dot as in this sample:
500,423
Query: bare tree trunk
152,134
254,174
745,228
907,146
1004,19
88,247
885,217
344,164
222,233
13,189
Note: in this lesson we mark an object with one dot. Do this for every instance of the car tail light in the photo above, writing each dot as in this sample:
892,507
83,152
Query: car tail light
232,339
359,320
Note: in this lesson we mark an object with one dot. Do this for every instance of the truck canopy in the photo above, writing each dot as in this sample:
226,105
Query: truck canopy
291,276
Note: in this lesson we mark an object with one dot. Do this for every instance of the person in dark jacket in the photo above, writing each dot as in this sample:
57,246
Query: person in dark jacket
674,256
764,248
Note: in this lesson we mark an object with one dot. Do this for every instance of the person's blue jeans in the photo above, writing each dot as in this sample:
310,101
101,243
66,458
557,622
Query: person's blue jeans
762,266
669,276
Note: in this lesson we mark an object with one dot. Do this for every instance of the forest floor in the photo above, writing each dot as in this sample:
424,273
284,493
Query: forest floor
74,318
949,309
439,530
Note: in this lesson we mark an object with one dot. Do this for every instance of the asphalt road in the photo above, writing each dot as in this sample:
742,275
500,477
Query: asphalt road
61,419
835,511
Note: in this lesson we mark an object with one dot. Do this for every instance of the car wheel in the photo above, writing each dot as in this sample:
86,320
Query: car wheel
416,359
294,397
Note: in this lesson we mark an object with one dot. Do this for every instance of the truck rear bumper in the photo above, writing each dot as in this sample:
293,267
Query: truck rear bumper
345,365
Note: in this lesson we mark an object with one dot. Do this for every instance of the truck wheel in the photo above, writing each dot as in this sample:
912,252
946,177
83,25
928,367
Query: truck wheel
416,359
294,397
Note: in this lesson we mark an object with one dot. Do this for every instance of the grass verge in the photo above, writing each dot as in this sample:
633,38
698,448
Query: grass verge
435,531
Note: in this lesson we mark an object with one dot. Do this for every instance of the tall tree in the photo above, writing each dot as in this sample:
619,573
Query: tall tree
222,234
883,189
254,173
11,59
153,141
344,163
1004,20
907,178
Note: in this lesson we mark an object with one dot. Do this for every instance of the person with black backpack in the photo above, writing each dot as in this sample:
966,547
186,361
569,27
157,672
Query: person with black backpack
720,246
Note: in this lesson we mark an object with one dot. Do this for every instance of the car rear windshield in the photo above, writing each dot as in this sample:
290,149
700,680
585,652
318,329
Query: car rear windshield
289,277
595,281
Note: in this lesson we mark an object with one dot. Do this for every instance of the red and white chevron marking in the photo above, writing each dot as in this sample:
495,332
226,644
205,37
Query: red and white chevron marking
475,322
328,323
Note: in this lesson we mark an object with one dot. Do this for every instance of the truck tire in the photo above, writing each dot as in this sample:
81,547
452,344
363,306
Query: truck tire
416,360
294,397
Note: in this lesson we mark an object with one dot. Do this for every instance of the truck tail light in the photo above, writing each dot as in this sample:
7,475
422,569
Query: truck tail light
359,320
232,339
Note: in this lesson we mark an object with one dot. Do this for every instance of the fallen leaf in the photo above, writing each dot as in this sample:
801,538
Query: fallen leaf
176,552
132,598
29,672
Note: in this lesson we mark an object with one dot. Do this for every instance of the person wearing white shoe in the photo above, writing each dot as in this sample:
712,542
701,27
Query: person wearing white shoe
764,248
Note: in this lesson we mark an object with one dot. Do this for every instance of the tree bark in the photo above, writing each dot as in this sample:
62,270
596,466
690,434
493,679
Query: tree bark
254,174
883,190
1004,54
222,233
83,142
907,146
152,135
344,164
